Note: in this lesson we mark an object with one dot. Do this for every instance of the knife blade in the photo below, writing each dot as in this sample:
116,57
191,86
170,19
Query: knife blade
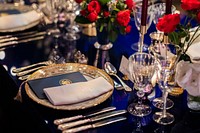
95,125
92,119
62,120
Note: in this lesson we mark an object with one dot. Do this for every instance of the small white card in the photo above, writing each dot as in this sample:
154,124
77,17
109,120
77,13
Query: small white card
123,68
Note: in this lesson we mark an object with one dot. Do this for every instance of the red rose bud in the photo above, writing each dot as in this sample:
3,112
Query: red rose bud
128,29
106,14
78,1
130,4
83,12
92,17
123,17
168,23
94,6
190,4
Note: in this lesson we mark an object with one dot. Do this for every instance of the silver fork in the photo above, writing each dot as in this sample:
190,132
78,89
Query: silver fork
46,63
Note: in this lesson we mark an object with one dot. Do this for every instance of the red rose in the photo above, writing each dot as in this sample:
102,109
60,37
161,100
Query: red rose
168,23
190,4
123,17
94,6
83,12
130,4
106,14
78,1
128,29
92,17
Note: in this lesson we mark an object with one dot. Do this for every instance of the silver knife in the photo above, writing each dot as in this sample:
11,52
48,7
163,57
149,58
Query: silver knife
62,120
22,37
92,119
97,124
20,41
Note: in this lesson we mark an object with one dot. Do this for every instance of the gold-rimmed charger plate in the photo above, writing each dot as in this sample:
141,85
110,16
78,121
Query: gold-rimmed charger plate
11,9
90,72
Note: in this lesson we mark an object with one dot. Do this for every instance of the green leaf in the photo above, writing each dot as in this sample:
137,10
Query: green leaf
101,27
103,2
109,26
82,20
113,36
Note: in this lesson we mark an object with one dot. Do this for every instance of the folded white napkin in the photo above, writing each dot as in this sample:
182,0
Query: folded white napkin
18,20
77,92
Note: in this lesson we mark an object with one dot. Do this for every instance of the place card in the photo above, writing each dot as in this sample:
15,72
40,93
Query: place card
123,68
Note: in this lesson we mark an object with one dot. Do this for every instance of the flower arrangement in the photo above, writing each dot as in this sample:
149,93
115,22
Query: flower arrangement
179,32
114,14
188,77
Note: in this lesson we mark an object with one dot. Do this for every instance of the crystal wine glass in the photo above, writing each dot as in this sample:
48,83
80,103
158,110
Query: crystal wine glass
171,61
167,62
137,12
72,9
159,11
54,7
142,67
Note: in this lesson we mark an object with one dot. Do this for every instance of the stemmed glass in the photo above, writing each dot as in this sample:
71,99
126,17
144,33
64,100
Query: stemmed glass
155,49
72,9
54,7
171,61
159,11
167,65
142,67
137,12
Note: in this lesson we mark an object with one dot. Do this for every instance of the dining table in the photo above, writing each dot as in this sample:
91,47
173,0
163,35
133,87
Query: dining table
26,115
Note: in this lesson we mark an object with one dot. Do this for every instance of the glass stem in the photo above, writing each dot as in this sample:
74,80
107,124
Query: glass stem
140,95
165,94
141,43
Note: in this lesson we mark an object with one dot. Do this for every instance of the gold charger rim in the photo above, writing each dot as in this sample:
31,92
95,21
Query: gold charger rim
78,106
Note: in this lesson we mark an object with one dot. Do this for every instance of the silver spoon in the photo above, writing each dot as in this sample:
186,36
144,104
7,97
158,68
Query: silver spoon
111,70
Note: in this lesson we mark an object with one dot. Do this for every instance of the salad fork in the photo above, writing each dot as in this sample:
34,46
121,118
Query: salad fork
46,63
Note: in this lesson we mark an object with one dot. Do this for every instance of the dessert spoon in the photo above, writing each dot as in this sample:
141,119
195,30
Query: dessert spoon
111,70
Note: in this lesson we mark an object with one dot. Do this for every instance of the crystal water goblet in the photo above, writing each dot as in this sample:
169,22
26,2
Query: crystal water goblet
142,67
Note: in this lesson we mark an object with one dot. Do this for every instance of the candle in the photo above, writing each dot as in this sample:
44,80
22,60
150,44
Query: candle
168,7
144,12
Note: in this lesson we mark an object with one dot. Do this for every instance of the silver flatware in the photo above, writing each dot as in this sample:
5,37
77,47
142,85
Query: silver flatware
46,63
117,85
22,73
12,43
19,34
92,119
95,125
63,120
24,77
111,70
14,38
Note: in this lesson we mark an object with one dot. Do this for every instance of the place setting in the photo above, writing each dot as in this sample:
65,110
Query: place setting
142,87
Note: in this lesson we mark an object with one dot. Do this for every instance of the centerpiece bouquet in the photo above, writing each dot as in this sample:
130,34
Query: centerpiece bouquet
112,15
184,34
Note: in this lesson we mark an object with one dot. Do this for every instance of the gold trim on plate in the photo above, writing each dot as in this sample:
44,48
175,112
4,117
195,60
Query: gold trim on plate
90,72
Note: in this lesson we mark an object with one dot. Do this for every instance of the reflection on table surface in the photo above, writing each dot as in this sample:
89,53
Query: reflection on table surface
41,117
